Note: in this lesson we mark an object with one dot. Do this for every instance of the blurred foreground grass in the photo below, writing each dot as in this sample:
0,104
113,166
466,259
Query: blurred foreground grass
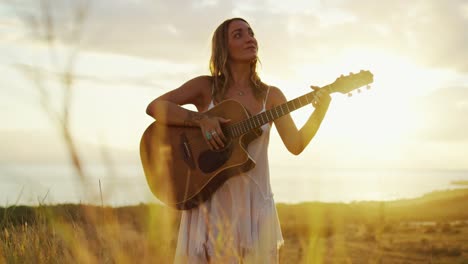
430,229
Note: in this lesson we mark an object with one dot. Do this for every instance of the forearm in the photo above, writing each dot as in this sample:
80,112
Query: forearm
170,113
310,128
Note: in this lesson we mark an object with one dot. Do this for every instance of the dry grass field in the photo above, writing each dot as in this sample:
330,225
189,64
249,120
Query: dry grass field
430,229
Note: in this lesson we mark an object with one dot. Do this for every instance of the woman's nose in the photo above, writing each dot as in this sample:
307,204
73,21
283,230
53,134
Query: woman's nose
250,39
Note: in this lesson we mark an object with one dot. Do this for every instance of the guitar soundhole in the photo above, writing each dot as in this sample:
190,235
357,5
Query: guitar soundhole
209,161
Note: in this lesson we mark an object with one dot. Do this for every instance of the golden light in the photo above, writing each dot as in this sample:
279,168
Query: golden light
387,110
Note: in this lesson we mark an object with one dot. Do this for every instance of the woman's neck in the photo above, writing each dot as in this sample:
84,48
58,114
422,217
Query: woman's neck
240,74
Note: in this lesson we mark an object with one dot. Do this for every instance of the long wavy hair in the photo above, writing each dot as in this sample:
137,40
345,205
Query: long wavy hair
219,66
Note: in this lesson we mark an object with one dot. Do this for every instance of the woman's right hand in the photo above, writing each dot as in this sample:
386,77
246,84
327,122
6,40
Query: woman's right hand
212,132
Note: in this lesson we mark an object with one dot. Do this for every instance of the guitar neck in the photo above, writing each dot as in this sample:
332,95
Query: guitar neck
276,112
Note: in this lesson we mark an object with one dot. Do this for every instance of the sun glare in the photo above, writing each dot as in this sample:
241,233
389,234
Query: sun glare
374,126
387,109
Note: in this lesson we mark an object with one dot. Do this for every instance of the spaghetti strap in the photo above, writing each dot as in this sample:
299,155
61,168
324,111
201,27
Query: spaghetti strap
266,98
212,95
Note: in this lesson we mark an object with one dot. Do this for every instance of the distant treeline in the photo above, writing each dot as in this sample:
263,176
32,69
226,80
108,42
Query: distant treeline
449,205
438,206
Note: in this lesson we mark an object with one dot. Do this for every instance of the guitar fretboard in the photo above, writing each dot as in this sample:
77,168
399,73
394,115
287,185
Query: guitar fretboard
256,121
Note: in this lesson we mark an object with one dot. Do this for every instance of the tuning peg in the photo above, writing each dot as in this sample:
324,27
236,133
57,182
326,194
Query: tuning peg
359,90
368,87
351,73
350,94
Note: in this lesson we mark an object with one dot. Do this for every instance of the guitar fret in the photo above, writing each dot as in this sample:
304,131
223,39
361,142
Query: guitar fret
293,106
270,115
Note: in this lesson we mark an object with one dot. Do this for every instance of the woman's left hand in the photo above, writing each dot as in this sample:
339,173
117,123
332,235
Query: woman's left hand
322,98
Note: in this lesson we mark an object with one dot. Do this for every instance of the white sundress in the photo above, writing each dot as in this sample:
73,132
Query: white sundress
239,222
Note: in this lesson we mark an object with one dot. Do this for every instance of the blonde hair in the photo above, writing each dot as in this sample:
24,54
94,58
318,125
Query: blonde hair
219,66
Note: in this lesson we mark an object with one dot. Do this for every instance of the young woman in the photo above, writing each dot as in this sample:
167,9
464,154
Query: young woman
239,223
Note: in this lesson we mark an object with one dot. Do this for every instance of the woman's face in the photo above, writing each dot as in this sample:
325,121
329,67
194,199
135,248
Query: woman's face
242,44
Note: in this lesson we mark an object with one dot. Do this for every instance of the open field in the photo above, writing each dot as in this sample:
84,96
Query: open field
430,229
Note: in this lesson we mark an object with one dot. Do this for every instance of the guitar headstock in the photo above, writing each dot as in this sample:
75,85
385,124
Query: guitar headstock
353,81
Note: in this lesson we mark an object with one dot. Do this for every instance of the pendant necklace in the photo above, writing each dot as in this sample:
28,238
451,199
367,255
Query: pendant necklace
240,92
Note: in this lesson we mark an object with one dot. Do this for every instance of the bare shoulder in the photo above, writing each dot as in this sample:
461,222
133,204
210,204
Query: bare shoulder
275,97
196,91
201,83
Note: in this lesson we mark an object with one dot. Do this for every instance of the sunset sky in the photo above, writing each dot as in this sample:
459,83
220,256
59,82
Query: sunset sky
414,117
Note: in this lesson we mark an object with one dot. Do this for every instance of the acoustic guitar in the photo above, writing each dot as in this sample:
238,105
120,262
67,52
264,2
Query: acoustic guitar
183,172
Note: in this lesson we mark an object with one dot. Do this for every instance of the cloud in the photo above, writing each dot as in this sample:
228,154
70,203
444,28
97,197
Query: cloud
444,114
175,30
432,32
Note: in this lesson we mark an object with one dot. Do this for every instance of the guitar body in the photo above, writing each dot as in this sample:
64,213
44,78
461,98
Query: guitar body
179,166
